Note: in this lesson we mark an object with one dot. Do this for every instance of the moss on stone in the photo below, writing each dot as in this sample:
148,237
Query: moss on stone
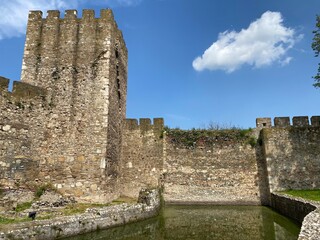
313,194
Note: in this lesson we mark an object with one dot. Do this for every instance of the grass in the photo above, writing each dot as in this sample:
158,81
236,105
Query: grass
71,209
306,194
78,208
23,206
4,220
40,190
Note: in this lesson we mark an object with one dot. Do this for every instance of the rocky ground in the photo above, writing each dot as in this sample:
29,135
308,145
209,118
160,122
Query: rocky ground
69,218
18,203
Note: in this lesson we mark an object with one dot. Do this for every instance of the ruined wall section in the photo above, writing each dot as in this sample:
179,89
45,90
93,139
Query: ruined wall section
142,155
292,153
76,61
221,171
22,133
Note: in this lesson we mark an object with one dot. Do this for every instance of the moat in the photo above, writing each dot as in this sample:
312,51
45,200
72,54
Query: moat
205,222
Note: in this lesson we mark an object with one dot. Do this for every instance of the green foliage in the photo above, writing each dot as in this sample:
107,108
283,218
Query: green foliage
218,126
252,141
79,208
23,206
245,132
206,137
306,194
316,48
5,220
40,190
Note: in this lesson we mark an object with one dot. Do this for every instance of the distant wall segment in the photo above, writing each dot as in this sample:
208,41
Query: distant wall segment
292,154
142,154
299,121
223,171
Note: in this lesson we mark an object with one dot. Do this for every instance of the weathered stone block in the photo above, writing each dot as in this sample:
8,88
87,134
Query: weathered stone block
315,120
4,82
281,121
263,123
300,121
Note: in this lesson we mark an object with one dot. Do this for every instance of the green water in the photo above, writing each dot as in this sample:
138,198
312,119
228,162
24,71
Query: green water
205,222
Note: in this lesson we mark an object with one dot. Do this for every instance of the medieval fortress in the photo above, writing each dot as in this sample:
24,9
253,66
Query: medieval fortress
64,124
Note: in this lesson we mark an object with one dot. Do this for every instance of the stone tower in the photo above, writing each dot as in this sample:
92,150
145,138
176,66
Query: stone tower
82,65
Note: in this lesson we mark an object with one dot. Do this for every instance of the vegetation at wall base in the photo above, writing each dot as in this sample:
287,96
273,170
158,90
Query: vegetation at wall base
40,190
4,220
71,209
306,194
23,206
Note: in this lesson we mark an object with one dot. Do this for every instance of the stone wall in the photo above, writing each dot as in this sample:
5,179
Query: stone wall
22,132
142,155
76,138
223,171
292,207
310,229
292,154
306,212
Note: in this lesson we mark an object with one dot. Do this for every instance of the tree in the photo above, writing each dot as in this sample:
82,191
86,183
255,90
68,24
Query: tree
316,48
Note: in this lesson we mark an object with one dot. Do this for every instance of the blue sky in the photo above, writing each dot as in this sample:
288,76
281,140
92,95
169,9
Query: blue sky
196,62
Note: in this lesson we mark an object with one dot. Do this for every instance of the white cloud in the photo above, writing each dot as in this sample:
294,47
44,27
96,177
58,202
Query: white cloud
14,14
264,42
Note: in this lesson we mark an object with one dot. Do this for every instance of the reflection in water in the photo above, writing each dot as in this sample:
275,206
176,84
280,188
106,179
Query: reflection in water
205,222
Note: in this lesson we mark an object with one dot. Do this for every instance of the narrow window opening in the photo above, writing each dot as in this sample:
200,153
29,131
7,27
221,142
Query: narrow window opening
117,71
119,92
117,53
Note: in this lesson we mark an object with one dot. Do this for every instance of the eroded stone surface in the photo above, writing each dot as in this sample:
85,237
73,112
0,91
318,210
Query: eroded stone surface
310,229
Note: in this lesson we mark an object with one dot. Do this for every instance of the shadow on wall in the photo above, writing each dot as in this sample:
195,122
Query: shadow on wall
292,152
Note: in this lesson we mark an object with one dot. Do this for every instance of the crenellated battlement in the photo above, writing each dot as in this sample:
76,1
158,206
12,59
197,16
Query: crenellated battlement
21,91
144,124
70,14
69,46
4,83
282,122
